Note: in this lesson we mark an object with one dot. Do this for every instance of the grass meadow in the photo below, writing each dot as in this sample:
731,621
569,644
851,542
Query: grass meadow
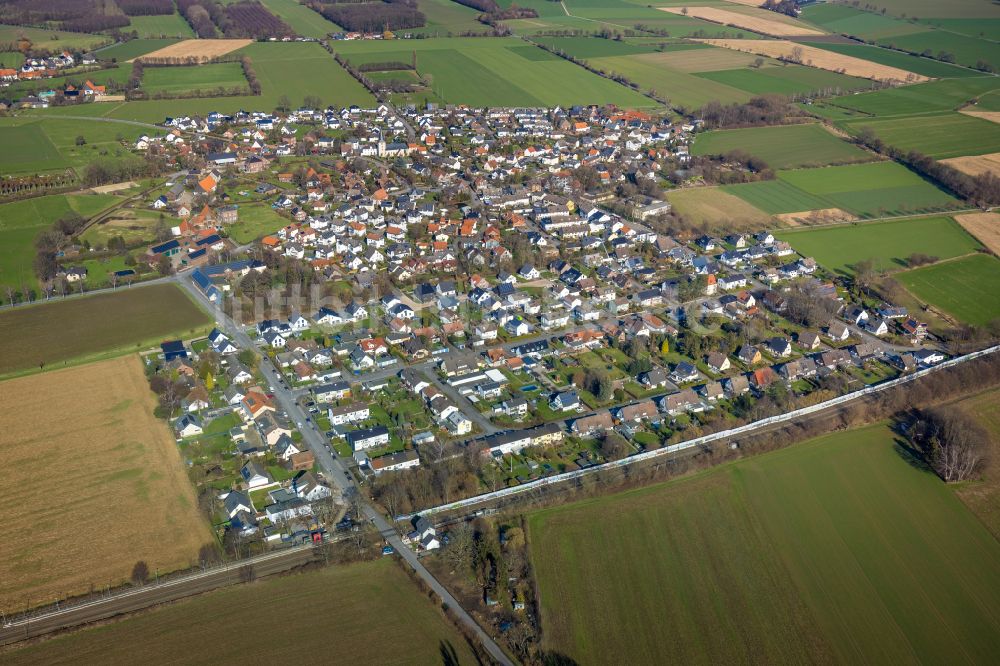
888,244
943,95
967,289
127,492
255,220
366,613
834,550
66,332
52,40
302,19
165,25
178,80
783,146
22,221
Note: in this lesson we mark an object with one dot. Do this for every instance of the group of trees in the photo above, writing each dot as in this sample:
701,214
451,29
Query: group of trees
373,16
786,7
250,19
52,240
104,171
198,17
951,442
762,110
146,7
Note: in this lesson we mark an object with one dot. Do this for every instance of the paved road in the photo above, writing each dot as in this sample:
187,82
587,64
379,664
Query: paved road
463,404
150,595
336,470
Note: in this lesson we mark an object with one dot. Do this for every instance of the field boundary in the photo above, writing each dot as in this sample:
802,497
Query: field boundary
699,441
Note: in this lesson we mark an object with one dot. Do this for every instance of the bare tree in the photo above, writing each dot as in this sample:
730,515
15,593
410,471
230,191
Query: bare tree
951,442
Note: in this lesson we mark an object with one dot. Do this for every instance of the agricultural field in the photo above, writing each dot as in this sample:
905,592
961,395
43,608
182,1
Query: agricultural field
888,244
716,208
133,49
755,20
944,95
940,135
966,9
339,608
783,146
777,197
445,17
205,49
872,189
819,58
52,40
923,66
787,80
679,88
93,426
802,555
22,221
302,19
907,35
497,72
166,25
967,289
75,330
984,226
178,80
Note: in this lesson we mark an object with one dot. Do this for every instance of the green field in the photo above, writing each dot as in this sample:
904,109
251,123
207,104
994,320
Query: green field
497,72
777,196
977,9
178,80
840,247
22,221
835,550
945,95
911,63
35,144
968,289
788,80
362,613
166,25
303,20
75,330
940,135
445,17
872,189
782,146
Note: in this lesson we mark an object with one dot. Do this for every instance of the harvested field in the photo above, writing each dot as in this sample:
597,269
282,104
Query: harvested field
114,490
984,226
813,217
203,49
765,26
976,164
992,116
716,207
819,58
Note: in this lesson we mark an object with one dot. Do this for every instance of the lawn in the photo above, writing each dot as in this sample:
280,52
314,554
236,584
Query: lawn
783,146
835,550
165,25
66,332
497,72
92,430
22,221
363,613
255,220
968,289
872,189
178,80
940,135
888,244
